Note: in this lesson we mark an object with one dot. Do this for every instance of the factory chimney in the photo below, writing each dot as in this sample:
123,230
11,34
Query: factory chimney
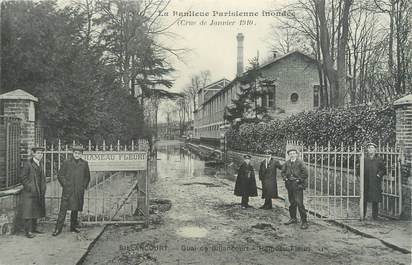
240,39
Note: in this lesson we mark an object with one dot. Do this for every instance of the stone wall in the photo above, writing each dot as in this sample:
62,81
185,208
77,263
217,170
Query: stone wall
9,204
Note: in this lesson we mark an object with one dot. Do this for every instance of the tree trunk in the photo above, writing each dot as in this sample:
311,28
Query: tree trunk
341,58
325,48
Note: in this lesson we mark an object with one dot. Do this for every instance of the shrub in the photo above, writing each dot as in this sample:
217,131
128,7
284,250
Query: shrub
348,126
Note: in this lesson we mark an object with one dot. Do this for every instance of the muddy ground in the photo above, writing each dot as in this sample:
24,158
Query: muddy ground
197,220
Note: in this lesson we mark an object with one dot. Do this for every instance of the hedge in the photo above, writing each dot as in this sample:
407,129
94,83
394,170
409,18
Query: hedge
348,126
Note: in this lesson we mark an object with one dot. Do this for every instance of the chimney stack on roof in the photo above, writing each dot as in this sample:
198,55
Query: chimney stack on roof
240,39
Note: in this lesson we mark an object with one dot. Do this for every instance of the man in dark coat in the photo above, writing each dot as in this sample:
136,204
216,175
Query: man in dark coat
267,174
74,177
245,182
33,194
373,173
295,175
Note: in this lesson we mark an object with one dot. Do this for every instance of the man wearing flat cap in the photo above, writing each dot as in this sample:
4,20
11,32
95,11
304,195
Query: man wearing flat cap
267,175
74,177
295,175
374,170
245,182
33,194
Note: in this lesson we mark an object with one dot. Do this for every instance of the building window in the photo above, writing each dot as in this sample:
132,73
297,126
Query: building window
271,98
264,101
294,97
316,96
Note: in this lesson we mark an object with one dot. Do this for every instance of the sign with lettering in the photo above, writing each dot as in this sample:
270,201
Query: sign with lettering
116,160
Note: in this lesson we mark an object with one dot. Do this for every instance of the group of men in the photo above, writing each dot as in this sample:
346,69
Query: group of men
295,175
73,176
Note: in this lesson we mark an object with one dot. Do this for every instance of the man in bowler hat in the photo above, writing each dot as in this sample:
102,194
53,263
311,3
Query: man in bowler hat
267,175
245,182
295,175
33,194
374,170
74,177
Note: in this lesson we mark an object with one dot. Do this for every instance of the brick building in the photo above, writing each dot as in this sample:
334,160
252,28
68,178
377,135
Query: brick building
296,89
203,121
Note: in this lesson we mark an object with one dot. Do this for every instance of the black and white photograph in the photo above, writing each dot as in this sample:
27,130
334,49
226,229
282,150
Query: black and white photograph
205,132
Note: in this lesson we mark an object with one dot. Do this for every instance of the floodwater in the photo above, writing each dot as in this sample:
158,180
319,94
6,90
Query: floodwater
196,219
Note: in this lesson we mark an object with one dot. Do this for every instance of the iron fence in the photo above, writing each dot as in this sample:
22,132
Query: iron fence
9,152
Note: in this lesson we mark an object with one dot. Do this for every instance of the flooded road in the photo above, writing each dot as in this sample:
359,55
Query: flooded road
196,219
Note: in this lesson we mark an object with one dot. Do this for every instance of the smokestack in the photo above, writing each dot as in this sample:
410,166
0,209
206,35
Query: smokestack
240,39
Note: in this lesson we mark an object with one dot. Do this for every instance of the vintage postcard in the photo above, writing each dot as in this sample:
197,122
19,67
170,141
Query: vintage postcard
210,132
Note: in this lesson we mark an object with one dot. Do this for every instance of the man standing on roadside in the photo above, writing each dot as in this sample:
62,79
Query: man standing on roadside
374,171
295,175
34,191
267,174
245,182
74,177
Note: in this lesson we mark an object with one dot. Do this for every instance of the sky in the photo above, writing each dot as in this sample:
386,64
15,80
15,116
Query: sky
214,48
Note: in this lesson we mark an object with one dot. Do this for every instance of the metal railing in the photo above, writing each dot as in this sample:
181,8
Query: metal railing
336,180
9,152
111,197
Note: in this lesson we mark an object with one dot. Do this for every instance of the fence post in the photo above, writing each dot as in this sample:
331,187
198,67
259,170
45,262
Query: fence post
361,181
18,103
403,108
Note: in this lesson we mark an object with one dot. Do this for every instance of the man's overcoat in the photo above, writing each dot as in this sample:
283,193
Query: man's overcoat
33,203
267,174
74,177
245,181
374,171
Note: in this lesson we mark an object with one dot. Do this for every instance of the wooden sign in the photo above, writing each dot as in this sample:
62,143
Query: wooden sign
116,160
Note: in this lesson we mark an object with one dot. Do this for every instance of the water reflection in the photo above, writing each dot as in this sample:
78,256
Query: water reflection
178,161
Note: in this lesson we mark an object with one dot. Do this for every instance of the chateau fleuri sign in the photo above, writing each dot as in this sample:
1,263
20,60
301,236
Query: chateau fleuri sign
116,160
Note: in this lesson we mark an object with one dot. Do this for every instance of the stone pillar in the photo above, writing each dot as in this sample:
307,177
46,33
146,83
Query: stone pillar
19,103
403,109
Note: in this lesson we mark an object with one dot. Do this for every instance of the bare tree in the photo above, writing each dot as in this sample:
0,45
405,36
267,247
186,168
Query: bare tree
198,82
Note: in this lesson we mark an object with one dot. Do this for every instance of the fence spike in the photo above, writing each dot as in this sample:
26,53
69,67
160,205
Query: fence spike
118,145
90,145
132,145
104,145
67,149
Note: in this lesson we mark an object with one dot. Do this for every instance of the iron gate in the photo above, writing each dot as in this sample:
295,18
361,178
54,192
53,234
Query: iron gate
112,197
391,205
336,179
9,151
